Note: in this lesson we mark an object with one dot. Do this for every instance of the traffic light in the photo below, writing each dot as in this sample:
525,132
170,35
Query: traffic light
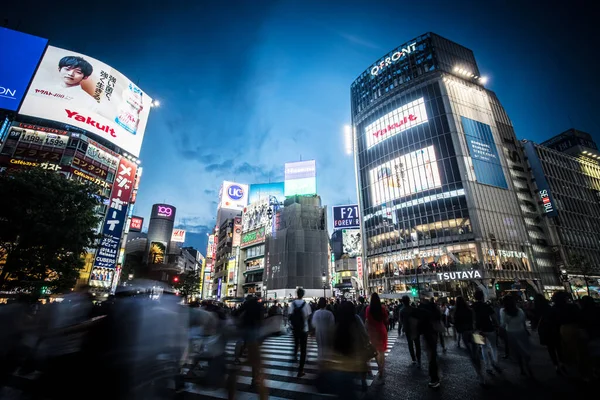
44,290
176,279
497,286
413,291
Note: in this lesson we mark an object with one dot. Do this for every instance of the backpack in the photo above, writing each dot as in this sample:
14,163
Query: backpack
297,317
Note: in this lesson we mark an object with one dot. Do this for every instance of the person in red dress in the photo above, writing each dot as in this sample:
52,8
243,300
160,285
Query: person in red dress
377,320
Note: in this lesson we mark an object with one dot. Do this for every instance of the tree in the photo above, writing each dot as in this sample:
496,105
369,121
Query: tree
580,264
189,284
46,224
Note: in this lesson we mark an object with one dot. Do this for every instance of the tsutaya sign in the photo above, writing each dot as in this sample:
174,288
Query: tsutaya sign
458,275
395,57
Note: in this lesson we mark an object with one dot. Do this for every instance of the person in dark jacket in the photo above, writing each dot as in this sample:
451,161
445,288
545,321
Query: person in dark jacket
427,314
464,322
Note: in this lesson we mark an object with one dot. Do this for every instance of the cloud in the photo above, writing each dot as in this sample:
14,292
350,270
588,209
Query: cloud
210,192
219,167
259,173
358,40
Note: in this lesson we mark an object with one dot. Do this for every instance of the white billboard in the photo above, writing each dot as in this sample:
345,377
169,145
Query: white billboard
394,122
78,90
178,235
256,216
300,178
351,242
408,174
233,196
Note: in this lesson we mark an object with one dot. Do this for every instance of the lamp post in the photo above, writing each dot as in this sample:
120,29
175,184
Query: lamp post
324,279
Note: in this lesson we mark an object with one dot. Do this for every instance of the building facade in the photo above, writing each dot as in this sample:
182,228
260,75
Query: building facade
436,187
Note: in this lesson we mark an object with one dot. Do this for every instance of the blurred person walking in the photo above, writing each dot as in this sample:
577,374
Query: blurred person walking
323,322
486,325
299,312
410,327
429,325
377,321
513,319
464,323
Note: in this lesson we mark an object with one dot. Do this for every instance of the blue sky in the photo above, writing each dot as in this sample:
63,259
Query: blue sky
247,85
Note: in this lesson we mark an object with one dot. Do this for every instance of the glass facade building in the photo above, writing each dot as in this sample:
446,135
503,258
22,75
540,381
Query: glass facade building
436,181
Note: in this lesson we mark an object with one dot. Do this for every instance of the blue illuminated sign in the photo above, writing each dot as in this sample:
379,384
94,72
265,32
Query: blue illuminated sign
346,217
544,193
484,154
19,59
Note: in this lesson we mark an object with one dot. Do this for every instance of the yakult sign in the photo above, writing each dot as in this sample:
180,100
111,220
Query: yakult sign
394,122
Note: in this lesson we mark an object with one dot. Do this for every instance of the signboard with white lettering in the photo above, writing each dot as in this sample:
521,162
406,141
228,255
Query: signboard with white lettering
345,217
458,275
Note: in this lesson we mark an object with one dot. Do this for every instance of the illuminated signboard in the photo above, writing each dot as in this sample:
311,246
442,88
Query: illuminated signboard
19,58
458,275
484,154
237,232
359,268
300,178
261,191
136,223
178,235
116,214
346,216
397,55
253,237
394,122
40,138
546,198
164,211
256,215
234,196
351,241
408,174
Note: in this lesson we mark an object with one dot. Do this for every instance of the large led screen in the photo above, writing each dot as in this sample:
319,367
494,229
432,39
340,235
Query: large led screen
78,90
19,57
408,174
351,242
394,122
484,153
260,191
300,178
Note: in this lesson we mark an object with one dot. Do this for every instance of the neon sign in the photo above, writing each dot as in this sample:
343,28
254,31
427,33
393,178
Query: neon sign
164,211
395,57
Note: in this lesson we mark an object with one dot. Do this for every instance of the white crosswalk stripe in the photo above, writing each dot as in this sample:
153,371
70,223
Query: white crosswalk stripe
280,371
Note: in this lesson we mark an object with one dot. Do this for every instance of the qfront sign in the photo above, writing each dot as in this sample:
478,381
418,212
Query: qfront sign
397,55
459,275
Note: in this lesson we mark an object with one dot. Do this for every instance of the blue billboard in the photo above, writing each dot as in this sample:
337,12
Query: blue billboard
543,188
484,154
346,217
20,56
260,191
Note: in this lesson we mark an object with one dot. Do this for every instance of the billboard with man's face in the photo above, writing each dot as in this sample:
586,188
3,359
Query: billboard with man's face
81,91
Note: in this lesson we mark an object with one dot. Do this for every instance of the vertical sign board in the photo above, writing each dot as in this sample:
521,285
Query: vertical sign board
219,289
108,251
543,188
346,217
359,269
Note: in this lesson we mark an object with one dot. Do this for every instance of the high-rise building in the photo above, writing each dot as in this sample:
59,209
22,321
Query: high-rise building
566,179
439,177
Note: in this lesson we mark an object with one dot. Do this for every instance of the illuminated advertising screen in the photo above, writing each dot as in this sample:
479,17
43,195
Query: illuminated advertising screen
256,215
237,232
116,216
157,253
101,154
408,174
210,247
351,241
178,235
234,196
484,154
300,178
101,277
261,191
78,90
359,268
163,211
253,237
231,265
544,193
394,122
345,216
136,223
19,58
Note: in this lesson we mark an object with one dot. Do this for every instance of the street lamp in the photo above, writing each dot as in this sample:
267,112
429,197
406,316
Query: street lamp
324,279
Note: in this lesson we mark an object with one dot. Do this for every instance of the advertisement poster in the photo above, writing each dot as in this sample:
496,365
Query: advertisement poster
19,57
157,253
408,174
178,235
136,224
253,237
300,178
79,90
352,244
391,124
544,193
261,191
256,215
359,269
101,277
346,216
484,154
234,196
210,247
116,216
237,232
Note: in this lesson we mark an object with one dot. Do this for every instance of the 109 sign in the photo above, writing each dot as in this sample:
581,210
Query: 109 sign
346,217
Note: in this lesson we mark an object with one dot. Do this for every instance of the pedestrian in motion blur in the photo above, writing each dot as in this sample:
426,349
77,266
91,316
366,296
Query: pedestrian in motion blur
409,325
464,322
377,321
323,322
299,313
486,324
513,319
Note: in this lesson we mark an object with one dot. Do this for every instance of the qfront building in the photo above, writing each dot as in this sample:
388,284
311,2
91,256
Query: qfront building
438,178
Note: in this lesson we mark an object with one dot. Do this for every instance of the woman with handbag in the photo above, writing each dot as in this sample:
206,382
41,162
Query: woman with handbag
377,320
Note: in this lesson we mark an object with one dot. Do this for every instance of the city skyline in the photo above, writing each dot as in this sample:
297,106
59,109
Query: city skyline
275,81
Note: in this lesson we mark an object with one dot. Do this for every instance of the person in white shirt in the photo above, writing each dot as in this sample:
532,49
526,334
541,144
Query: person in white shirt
323,321
299,313
513,320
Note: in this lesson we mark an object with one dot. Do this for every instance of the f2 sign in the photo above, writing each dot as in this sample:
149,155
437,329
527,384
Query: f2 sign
346,217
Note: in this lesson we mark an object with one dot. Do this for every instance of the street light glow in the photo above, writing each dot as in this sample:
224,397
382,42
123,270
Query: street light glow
483,80
348,139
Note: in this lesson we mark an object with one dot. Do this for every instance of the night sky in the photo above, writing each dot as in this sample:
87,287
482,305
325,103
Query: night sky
248,85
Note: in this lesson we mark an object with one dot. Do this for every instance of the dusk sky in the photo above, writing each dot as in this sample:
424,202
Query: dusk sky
247,85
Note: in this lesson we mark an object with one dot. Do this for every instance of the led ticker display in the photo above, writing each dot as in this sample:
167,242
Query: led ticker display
408,174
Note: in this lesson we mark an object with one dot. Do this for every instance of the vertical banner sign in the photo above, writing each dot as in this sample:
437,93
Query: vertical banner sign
359,269
108,252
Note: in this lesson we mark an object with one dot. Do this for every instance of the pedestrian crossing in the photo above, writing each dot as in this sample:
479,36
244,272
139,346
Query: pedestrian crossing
280,372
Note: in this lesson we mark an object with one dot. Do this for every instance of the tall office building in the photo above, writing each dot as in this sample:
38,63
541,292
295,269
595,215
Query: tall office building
438,183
